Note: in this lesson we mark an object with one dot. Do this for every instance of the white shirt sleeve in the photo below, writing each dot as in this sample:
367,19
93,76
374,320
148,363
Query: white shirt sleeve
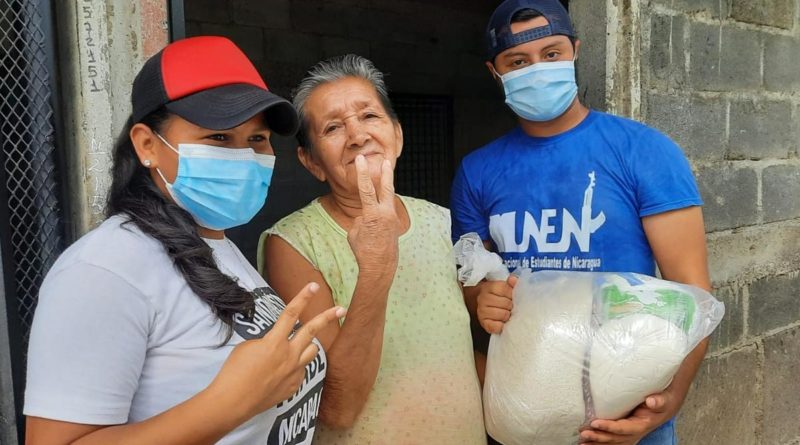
87,347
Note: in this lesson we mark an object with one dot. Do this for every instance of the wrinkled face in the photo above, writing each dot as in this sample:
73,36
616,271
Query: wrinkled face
548,49
346,118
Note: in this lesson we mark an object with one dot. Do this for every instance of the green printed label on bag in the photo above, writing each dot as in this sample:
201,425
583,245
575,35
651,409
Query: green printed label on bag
672,305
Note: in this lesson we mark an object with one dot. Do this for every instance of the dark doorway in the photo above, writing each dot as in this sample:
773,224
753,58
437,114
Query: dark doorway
425,169
430,52
426,49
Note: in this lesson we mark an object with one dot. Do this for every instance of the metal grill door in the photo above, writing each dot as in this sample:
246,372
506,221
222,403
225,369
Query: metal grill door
32,234
425,167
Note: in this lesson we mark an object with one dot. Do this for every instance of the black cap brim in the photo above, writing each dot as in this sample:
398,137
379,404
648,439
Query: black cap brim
229,106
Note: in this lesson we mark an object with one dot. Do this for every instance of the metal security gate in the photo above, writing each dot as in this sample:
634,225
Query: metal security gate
425,168
31,213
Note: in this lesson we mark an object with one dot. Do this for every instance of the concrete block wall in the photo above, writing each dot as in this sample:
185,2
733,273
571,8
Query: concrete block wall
722,78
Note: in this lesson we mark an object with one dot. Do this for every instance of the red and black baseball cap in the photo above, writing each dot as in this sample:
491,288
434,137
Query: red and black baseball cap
211,83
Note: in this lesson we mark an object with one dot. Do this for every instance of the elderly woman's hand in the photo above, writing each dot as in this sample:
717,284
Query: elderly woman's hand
375,233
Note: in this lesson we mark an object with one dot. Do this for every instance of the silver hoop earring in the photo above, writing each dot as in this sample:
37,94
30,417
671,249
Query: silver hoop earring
147,163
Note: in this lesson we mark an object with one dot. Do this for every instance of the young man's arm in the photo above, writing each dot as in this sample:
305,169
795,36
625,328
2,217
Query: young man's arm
678,242
489,304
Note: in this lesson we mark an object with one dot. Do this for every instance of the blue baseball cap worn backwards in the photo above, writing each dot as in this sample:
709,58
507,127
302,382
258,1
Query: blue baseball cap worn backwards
499,36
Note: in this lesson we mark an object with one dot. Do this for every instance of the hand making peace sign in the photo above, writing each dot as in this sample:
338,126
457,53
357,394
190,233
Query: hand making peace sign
373,236
263,372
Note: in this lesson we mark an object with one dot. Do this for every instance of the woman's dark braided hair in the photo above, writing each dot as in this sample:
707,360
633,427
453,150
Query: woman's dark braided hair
134,195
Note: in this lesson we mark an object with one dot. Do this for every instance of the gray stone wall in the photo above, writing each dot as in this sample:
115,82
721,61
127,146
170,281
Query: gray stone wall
101,46
722,78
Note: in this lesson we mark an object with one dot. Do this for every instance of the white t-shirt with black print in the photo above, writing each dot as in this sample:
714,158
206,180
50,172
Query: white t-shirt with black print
118,337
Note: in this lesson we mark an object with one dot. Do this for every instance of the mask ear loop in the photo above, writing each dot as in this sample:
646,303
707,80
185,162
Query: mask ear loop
499,76
165,142
158,170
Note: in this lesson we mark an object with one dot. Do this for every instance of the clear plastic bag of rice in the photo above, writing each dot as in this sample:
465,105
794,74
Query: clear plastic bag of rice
586,345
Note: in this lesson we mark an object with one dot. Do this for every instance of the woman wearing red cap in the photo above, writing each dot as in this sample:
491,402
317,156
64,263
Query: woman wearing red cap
142,328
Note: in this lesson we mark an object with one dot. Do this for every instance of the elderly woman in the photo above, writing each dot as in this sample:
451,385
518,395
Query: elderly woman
400,367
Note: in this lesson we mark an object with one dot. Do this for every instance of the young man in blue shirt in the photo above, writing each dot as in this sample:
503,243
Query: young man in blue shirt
576,189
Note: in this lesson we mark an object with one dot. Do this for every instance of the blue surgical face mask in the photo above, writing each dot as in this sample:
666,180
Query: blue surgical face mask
541,92
220,187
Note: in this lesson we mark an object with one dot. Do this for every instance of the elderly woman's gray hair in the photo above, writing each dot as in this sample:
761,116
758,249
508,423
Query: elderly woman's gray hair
331,70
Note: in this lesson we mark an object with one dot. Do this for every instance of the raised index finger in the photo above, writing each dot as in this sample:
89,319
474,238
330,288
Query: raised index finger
288,318
366,191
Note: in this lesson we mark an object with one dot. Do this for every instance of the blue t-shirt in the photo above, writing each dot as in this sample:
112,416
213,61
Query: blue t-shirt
573,201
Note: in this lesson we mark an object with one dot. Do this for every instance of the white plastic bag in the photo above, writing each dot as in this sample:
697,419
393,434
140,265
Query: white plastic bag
476,263
583,345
